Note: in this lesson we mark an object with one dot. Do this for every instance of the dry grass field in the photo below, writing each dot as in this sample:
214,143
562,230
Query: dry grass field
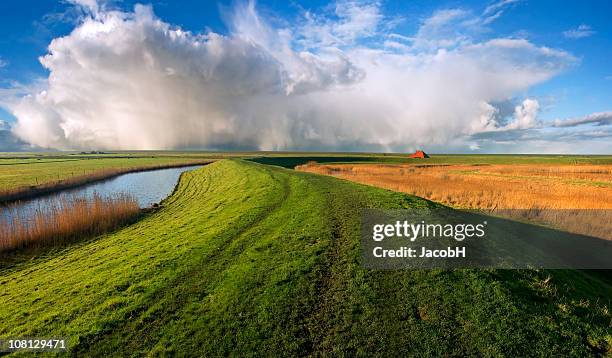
67,220
577,198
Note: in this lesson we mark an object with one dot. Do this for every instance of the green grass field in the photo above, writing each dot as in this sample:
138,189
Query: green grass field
250,259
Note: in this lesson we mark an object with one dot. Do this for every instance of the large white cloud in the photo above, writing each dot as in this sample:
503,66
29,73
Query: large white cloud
129,80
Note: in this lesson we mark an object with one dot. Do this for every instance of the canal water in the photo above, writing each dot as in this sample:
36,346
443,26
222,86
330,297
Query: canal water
147,187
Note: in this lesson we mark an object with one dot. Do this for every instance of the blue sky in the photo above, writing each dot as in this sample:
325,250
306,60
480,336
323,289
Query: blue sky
581,86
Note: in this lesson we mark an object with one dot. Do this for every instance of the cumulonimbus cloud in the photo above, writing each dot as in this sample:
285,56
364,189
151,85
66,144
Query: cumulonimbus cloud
129,80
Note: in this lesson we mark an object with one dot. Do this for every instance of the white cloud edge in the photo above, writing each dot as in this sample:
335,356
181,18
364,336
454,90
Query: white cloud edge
582,31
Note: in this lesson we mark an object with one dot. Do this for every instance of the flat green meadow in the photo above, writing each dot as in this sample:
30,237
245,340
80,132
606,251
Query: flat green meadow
252,259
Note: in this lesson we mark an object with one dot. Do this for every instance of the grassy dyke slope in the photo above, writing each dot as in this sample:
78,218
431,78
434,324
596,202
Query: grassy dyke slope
250,259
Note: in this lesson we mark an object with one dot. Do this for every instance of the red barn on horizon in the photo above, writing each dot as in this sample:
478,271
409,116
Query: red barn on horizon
419,154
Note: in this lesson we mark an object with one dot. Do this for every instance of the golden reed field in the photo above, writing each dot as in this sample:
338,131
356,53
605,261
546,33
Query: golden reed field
69,220
576,198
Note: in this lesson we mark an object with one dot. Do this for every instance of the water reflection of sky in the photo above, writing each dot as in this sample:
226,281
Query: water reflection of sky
147,188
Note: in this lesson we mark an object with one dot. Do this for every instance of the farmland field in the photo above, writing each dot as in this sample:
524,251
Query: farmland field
25,173
246,258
